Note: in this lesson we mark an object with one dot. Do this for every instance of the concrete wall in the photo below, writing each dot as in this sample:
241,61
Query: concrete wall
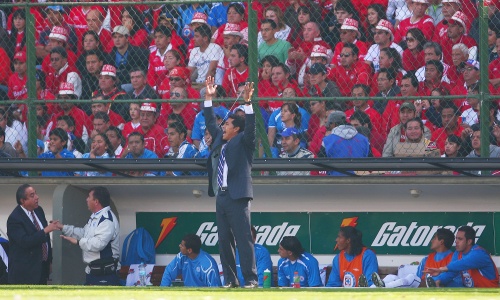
64,199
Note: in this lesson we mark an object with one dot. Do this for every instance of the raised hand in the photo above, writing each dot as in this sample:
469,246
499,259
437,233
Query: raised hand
210,88
248,92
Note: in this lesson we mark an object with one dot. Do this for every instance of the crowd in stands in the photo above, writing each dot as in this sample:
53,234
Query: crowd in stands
307,50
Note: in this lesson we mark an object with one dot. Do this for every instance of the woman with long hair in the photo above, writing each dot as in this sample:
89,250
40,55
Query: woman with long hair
132,19
235,15
413,56
353,262
171,60
289,117
375,13
388,58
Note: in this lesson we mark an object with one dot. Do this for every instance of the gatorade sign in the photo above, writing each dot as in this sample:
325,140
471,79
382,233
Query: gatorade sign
386,233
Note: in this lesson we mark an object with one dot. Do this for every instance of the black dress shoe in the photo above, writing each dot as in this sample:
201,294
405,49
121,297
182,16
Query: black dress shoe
252,285
230,285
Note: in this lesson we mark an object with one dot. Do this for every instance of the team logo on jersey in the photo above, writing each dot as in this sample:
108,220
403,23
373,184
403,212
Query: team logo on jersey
349,280
467,279
198,269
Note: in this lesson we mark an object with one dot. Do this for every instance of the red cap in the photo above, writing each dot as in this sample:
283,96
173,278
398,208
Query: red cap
459,18
59,33
149,106
199,17
20,56
386,26
108,70
66,88
179,72
319,51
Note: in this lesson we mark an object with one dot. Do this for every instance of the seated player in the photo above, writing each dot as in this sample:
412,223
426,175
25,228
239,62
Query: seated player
470,261
197,267
441,243
353,261
295,259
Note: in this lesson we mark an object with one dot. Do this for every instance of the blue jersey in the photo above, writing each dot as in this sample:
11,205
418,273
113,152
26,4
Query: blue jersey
199,125
94,173
49,155
201,271
262,260
186,150
370,265
477,258
306,265
186,13
146,154
218,15
275,120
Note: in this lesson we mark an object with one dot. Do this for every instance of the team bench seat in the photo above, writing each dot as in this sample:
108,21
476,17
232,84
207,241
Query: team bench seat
157,273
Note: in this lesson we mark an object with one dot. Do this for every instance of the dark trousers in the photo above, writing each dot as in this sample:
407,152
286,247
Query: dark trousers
45,272
233,225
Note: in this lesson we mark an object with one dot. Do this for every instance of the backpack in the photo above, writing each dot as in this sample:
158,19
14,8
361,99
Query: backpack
138,247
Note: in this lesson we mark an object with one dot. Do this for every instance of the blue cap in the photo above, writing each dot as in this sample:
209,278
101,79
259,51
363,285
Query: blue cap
289,132
58,8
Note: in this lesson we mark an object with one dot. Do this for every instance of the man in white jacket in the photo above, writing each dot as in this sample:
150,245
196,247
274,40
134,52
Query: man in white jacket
99,239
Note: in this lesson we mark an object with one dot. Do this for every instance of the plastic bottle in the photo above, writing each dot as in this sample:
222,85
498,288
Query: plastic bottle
267,279
142,274
296,280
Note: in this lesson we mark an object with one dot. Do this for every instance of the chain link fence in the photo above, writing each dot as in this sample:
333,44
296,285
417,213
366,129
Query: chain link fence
336,79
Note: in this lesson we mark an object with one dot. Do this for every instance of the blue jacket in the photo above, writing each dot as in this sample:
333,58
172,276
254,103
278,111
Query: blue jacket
306,265
49,155
262,260
201,271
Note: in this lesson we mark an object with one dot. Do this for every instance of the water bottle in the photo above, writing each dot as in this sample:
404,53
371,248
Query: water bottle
142,274
296,280
267,279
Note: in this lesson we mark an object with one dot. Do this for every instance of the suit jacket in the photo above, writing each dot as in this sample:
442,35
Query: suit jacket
25,253
239,157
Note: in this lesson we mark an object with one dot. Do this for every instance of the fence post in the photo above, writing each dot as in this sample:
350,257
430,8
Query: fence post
484,97
254,77
31,82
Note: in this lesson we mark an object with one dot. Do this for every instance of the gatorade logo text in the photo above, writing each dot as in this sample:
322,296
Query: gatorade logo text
266,235
393,235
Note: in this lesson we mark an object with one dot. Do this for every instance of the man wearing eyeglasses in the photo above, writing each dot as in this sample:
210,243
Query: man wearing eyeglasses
351,71
62,71
349,33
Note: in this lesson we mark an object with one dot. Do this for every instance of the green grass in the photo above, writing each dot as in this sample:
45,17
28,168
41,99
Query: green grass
155,293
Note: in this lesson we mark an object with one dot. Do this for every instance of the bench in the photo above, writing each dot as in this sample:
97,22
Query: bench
157,273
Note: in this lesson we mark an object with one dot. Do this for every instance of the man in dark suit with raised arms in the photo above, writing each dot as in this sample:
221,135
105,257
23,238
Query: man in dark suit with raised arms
229,173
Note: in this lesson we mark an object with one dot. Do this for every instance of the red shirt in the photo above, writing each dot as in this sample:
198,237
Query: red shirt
157,72
232,78
106,39
155,140
455,76
81,121
140,39
128,129
317,138
363,49
17,87
359,73
375,117
425,89
440,31
440,135
188,114
39,19
494,72
412,62
52,80
447,45
426,24
47,68
114,119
